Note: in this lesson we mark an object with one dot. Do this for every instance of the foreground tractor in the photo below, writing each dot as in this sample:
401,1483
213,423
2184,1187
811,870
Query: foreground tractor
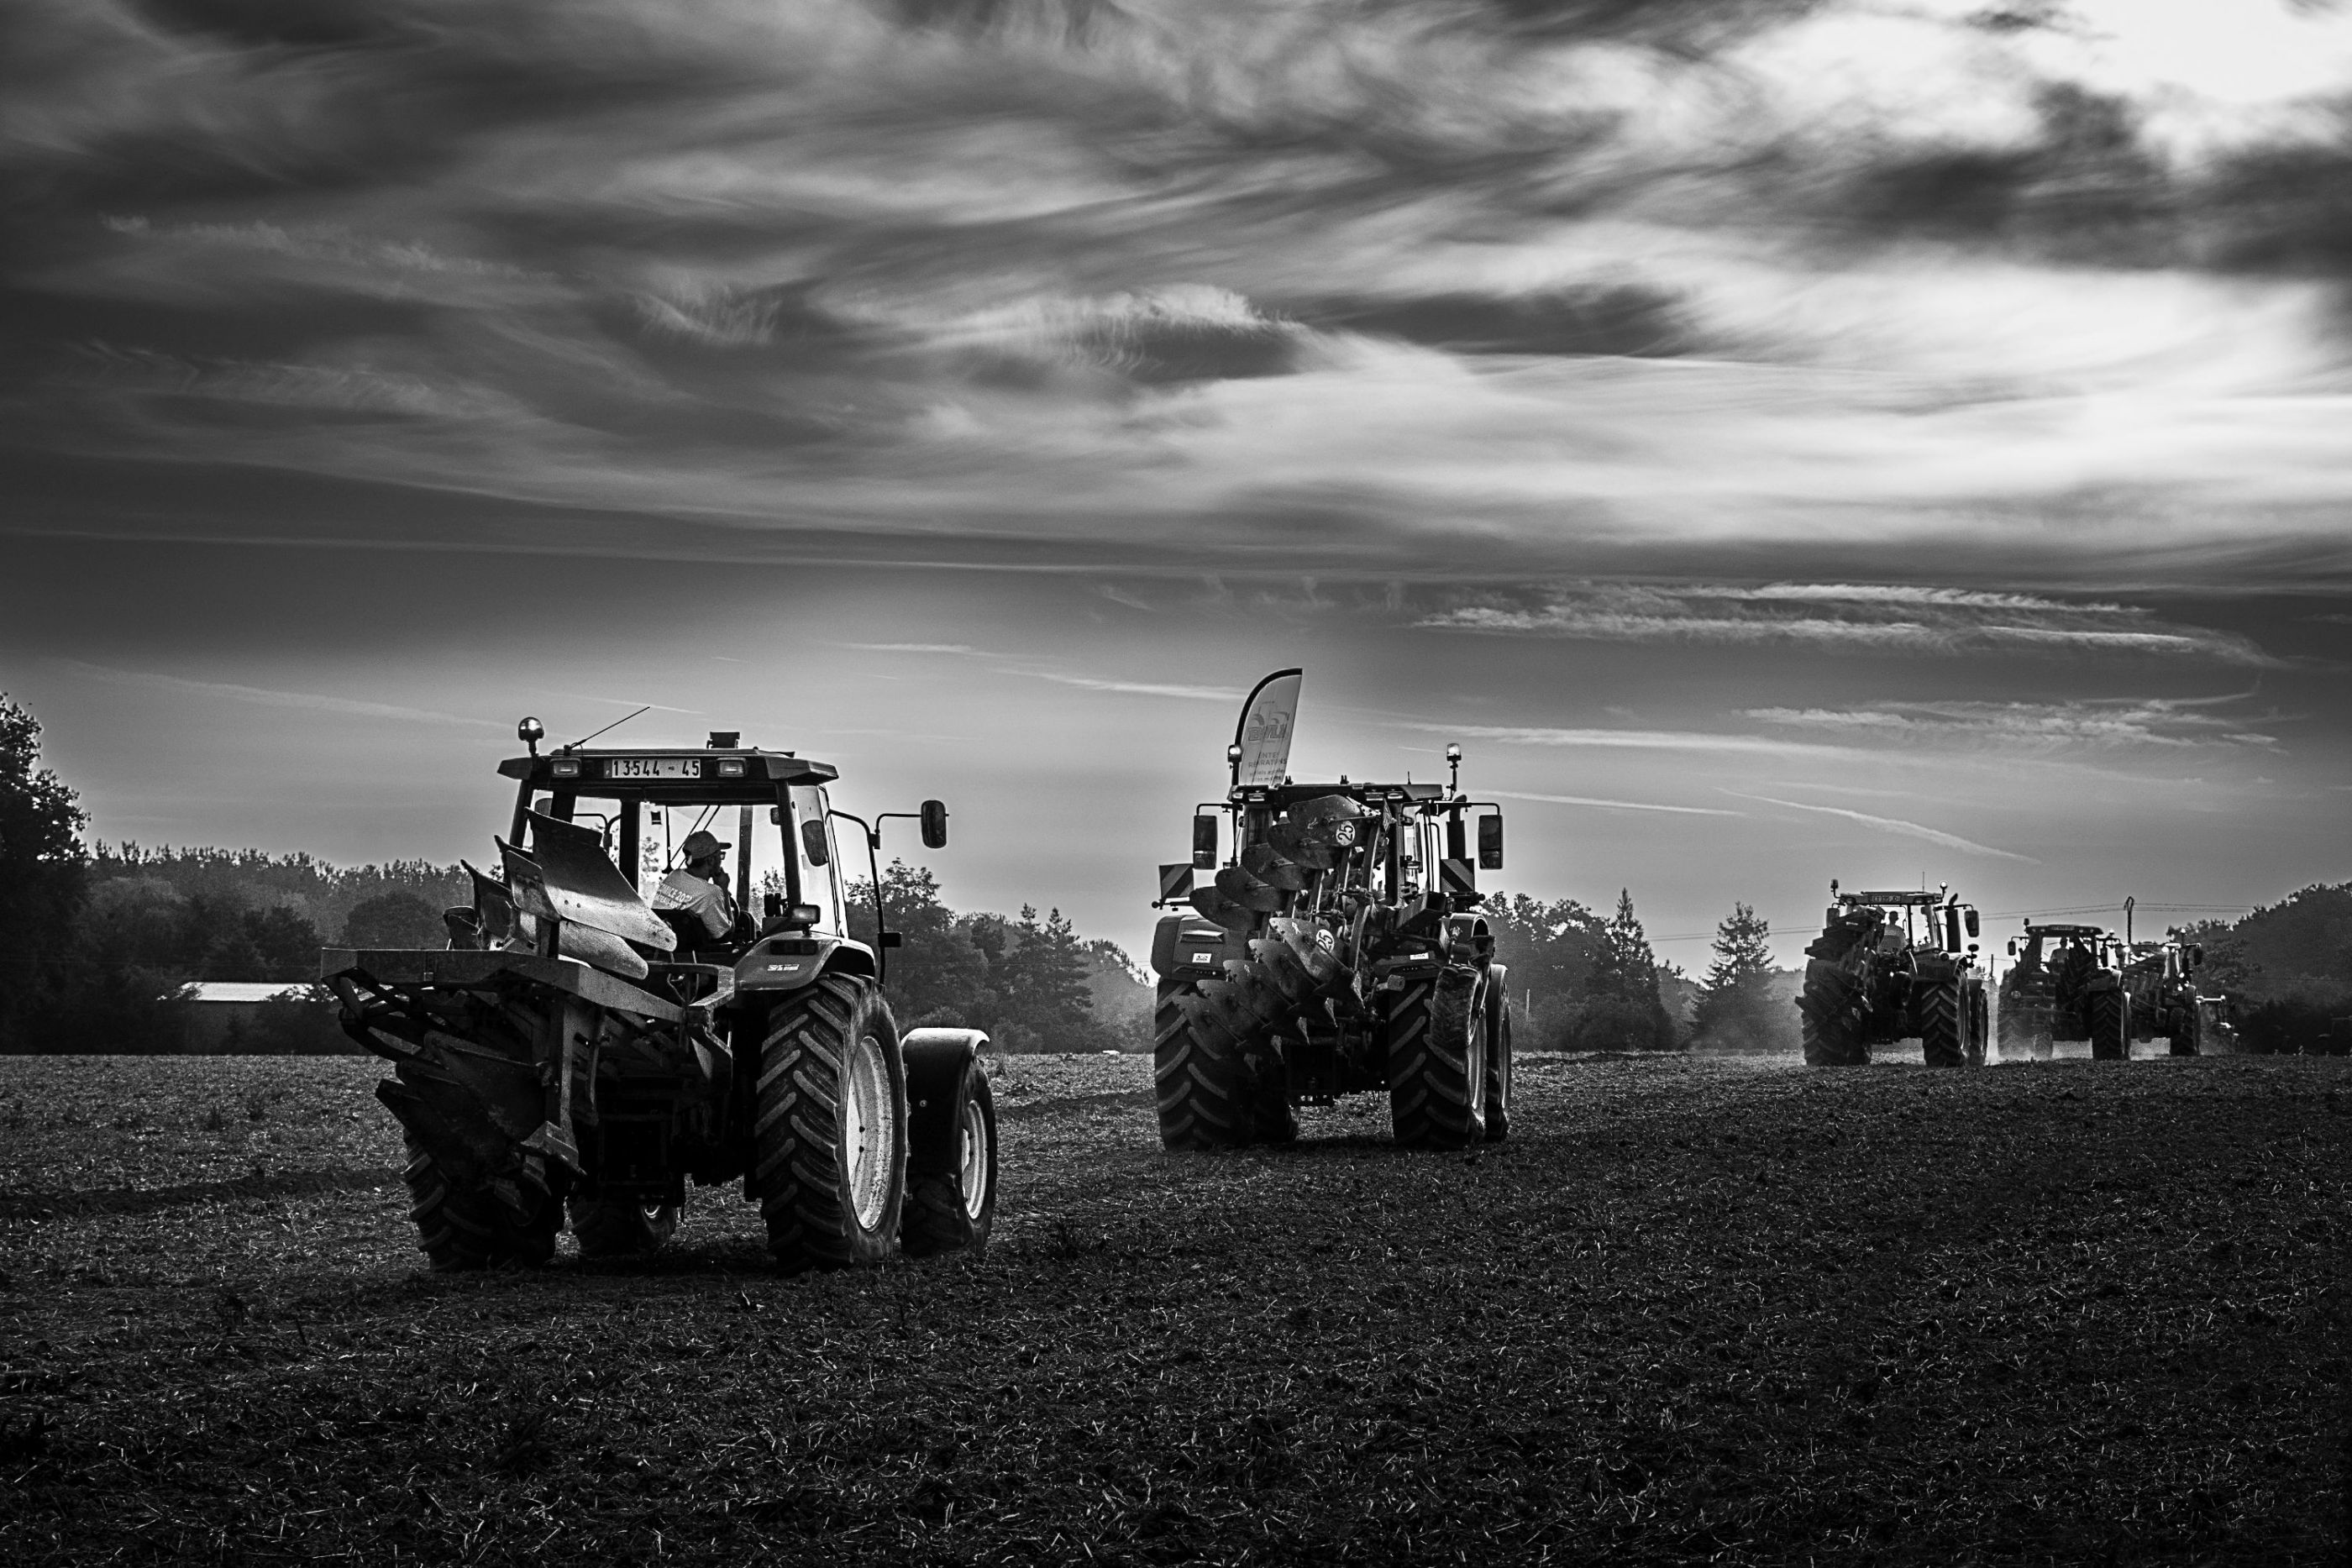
1890,967
2161,989
1338,950
576,1051
2065,982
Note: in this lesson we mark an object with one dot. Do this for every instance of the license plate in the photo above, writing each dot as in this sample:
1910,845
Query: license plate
653,768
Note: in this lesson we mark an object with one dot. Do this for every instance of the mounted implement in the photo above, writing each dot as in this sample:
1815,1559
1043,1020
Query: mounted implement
583,1047
1890,967
2065,982
1338,950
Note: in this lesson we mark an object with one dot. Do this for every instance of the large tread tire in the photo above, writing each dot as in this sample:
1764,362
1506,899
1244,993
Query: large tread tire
1979,1012
1198,1078
2186,1034
1943,1027
830,1191
458,1230
950,1161
1831,1033
608,1227
1436,1044
2109,1014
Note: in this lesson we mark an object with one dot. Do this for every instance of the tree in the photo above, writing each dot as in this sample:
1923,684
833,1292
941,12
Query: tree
1042,981
1738,1007
938,976
41,869
1622,1011
394,920
1552,950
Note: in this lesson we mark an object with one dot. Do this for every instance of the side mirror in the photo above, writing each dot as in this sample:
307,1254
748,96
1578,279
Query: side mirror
2013,946
772,904
1490,842
2197,956
894,939
1969,918
813,841
776,815
1204,839
935,824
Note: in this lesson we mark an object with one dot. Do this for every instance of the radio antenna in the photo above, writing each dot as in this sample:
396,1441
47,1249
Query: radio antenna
614,724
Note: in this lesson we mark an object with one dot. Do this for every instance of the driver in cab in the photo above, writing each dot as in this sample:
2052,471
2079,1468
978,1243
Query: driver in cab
698,888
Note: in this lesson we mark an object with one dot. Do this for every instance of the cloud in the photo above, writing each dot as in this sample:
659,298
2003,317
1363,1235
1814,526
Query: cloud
1614,805
1139,688
1843,617
268,698
1895,825
2040,726
911,647
1638,740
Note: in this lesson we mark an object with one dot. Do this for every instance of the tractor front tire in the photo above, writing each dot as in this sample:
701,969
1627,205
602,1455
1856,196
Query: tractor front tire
952,1155
2186,1036
459,1228
619,1228
1437,1051
1943,1024
829,1126
2107,1016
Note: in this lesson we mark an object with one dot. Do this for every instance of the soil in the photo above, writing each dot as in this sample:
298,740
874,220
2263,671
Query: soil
1697,1310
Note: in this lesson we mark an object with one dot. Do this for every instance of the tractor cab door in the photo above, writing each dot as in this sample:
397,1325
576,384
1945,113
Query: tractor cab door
819,860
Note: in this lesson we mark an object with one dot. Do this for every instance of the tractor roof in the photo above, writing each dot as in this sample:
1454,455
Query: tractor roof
1912,900
1283,796
685,774
2033,930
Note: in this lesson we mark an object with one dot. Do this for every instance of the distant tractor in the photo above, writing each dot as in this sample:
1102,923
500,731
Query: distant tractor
1890,967
2065,982
2165,1003
1338,950
580,1047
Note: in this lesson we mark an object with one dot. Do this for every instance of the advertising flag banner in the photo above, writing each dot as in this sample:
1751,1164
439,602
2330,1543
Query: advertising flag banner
1265,732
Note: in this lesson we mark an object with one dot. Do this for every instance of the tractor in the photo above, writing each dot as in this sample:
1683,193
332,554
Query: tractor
2065,982
578,1053
2159,979
1337,949
1889,966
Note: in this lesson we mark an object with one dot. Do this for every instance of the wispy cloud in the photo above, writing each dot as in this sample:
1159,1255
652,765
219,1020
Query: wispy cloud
1895,825
1612,805
1139,688
1637,740
1843,617
268,696
2038,726
911,647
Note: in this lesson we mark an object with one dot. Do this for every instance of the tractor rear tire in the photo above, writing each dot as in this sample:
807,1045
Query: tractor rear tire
1218,1079
1498,1074
2108,1016
1979,1012
1943,1027
619,1228
1830,1034
459,1229
950,1162
2185,1036
829,1126
1437,1050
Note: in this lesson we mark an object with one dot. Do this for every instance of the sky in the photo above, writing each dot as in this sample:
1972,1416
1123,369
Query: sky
1778,439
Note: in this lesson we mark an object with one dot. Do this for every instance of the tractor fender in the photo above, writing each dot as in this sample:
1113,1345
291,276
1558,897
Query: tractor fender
936,1061
788,963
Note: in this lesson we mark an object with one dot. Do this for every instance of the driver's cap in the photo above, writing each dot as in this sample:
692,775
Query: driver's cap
701,844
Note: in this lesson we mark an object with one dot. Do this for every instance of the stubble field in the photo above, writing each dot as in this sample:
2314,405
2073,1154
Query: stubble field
1696,1309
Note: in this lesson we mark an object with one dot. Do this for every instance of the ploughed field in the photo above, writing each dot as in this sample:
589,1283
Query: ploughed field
1725,1309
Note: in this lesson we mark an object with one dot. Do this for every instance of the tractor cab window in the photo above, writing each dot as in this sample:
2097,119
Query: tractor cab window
820,865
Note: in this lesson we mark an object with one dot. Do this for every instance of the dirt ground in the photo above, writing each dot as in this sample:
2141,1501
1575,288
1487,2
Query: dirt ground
1696,1309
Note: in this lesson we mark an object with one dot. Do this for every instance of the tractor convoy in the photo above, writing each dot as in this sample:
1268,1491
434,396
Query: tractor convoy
611,1019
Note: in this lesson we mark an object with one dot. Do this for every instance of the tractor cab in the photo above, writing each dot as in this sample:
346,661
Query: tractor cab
1910,920
599,828
2046,945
